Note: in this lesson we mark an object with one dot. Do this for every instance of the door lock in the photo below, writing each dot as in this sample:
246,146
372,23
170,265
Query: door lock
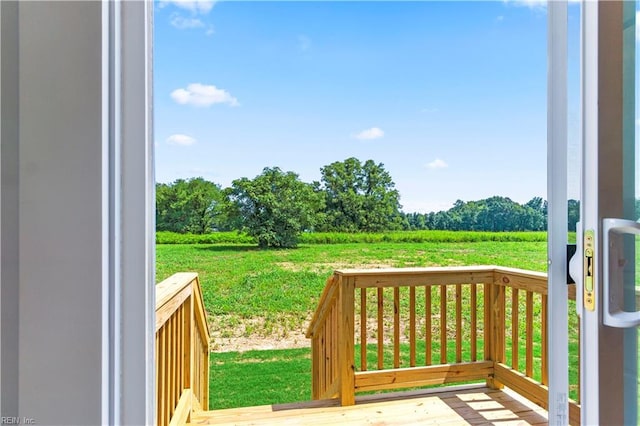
589,267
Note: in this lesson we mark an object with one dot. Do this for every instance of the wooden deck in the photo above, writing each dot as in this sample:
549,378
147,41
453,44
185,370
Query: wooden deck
462,405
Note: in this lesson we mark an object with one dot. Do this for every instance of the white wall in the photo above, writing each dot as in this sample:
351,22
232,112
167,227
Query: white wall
9,208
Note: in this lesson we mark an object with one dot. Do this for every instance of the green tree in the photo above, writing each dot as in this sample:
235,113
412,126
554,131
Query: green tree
535,214
359,197
274,207
573,207
491,214
187,206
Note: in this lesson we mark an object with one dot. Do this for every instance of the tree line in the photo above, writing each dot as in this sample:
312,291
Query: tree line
276,206
351,196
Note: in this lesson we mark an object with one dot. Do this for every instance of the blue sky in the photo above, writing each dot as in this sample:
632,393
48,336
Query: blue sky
450,96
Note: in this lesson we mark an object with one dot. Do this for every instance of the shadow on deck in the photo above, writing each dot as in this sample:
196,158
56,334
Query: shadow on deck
462,405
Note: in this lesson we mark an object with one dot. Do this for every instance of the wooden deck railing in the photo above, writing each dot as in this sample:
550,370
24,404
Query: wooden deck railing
182,350
393,328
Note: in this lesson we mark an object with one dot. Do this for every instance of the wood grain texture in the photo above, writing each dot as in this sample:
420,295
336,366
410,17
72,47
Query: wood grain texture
443,324
396,327
448,406
419,376
346,340
454,284
363,329
428,335
380,330
412,326
182,348
474,322
529,328
515,328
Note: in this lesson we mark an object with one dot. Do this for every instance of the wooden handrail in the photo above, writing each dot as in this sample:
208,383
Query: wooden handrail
500,316
324,304
182,349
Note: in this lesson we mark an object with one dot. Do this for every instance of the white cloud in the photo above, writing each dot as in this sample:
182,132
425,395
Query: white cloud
500,18
304,42
182,140
182,23
194,6
437,164
197,8
201,95
532,4
369,134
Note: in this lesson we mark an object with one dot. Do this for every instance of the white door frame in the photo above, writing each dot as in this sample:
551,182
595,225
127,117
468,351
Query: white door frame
557,316
77,226
601,347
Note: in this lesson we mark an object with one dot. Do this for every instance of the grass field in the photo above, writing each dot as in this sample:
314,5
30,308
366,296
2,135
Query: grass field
241,281
234,237
258,293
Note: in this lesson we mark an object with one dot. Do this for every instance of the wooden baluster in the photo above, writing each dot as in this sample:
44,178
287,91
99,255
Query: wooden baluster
427,325
579,373
315,394
412,326
501,323
188,333
474,323
167,382
545,343
396,327
515,329
529,346
172,367
380,328
458,322
363,329
329,368
488,327
334,347
207,378
180,344
443,324
323,362
161,396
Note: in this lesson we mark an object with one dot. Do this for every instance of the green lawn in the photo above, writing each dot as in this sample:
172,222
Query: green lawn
243,379
276,290
244,282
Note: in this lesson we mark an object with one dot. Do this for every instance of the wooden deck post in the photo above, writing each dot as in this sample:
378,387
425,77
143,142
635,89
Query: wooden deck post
495,327
346,290
315,368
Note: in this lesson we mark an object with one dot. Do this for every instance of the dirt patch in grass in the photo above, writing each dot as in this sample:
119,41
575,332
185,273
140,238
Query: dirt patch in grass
242,344
232,334
320,267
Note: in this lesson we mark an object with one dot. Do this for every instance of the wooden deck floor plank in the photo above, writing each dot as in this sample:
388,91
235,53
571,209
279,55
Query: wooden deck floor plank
459,407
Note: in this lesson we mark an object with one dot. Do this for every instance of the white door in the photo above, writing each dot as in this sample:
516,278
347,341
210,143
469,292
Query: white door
607,241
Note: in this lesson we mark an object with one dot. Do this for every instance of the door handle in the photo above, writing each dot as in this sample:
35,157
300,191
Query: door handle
613,313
